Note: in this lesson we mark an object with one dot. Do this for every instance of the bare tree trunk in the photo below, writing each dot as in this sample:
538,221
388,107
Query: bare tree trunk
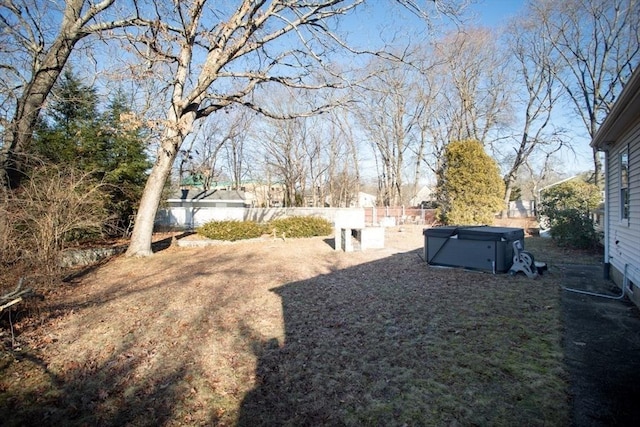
28,106
78,21
141,237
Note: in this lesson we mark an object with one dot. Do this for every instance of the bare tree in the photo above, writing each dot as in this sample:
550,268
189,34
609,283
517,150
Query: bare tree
547,170
217,57
237,161
215,150
474,99
536,75
285,150
316,157
434,125
388,112
199,161
598,45
32,59
343,173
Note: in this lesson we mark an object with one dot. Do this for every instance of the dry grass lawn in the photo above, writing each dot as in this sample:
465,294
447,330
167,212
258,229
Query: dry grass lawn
274,332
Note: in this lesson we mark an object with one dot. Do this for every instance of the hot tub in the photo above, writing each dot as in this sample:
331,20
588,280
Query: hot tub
478,248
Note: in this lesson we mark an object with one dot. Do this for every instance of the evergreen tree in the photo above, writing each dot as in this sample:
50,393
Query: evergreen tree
68,132
566,209
470,189
73,133
126,163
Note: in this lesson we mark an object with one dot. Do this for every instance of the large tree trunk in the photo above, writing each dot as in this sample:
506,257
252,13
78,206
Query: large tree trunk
142,234
508,188
141,237
597,166
20,130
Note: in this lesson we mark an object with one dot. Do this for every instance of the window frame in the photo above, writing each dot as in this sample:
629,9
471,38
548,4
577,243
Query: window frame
624,184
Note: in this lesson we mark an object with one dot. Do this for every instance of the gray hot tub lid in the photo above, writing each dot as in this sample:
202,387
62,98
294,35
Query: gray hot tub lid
490,233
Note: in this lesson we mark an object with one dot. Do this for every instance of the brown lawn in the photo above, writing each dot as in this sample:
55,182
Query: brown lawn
274,332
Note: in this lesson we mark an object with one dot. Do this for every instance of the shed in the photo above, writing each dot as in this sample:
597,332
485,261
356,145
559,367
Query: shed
208,199
189,208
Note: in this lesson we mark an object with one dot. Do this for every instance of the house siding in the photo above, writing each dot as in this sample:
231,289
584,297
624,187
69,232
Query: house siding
624,235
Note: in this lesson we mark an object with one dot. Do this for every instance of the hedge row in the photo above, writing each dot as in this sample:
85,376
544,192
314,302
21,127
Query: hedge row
293,227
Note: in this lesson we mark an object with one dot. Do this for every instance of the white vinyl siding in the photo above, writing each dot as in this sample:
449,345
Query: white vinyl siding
624,233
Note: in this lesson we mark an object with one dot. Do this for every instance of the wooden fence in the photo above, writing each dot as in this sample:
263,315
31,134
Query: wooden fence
399,215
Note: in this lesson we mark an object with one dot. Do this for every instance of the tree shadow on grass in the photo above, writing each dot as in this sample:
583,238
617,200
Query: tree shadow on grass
144,377
98,395
163,244
394,342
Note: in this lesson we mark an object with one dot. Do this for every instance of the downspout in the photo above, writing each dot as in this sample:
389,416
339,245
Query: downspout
607,220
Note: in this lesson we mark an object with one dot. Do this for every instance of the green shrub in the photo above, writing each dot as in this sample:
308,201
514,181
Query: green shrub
294,227
470,189
231,230
566,210
573,228
301,226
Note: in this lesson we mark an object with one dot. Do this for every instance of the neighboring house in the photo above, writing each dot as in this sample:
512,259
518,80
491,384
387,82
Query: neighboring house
366,200
423,197
619,139
255,193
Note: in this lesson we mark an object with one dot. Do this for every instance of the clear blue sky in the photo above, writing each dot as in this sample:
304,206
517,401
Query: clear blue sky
379,19
492,13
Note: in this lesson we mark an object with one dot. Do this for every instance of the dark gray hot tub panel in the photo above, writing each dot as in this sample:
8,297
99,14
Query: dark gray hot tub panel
480,248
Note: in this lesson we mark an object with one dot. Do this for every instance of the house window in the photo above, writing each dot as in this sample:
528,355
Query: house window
624,185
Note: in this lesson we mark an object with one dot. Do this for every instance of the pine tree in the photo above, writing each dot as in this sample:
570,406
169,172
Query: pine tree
74,134
470,189
68,132
126,163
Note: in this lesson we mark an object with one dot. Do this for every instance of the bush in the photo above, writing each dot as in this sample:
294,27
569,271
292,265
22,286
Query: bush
231,230
53,208
301,226
566,210
294,227
470,189
573,228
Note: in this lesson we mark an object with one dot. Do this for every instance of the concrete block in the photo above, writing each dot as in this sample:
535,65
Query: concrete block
371,238
346,242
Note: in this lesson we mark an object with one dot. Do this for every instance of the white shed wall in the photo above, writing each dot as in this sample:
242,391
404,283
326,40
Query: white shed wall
192,217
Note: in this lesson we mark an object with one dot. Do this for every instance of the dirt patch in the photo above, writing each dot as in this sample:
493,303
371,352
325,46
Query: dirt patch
275,332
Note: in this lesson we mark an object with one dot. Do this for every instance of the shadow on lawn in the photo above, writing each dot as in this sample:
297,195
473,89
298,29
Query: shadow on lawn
390,342
134,382
400,343
98,395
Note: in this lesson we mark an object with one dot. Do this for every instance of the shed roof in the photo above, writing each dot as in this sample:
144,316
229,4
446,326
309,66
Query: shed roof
196,195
